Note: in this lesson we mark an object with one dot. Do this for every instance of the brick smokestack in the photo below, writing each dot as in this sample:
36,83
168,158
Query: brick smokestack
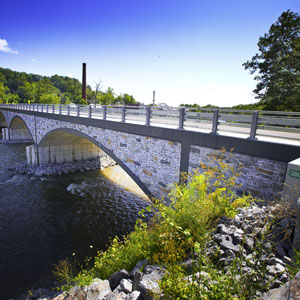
83,81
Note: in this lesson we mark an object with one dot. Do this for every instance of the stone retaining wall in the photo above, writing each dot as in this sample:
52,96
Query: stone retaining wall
262,177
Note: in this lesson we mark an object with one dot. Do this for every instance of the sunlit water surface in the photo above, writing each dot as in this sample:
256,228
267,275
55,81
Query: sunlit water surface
42,223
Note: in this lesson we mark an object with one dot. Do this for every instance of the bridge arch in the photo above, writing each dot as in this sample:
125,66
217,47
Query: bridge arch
3,122
19,130
65,136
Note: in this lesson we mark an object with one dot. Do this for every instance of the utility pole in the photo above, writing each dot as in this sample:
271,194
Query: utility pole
83,95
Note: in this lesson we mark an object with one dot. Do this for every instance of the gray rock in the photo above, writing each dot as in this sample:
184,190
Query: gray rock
289,291
126,286
275,284
77,293
98,289
287,260
138,267
284,278
249,243
116,278
135,295
226,243
136,280
280,251
189,265
115,296
274,260
150,281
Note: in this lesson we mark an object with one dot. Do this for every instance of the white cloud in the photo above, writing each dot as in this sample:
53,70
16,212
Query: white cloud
34,60
4,47
70,75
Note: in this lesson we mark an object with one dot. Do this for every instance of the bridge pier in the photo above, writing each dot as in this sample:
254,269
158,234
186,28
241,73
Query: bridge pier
58,154
19,134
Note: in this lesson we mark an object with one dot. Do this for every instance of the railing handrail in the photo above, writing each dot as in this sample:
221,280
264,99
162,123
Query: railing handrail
182,116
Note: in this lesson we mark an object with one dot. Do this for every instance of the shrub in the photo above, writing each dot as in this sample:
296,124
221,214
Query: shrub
175,229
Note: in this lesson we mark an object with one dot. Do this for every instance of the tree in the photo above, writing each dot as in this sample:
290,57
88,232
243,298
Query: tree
98,87
3,90
107,97
278,65
46,92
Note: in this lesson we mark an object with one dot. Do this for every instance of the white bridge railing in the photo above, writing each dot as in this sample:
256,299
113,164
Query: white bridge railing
244,123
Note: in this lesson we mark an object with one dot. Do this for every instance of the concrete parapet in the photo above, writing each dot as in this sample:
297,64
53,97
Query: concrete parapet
291,190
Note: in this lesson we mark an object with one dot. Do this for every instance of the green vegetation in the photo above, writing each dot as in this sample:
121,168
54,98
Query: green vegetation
278,65
177,231
20,87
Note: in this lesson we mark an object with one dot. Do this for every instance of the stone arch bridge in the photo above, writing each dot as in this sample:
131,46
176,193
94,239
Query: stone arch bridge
154,157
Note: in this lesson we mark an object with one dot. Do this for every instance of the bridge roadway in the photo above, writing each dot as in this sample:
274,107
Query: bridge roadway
171,121
155,156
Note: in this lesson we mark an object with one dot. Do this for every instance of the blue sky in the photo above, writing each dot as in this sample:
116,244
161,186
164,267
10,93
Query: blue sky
188,51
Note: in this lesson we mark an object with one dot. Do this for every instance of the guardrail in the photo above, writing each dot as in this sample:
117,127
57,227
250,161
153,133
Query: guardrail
246,123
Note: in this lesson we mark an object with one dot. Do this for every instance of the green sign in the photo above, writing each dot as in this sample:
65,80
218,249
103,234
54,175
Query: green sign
295,173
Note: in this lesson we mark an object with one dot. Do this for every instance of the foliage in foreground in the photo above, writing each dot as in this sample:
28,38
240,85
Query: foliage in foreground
177,230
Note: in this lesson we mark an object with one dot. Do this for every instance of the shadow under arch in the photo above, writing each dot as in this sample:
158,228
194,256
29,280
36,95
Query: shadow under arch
18,123
3,122
73,132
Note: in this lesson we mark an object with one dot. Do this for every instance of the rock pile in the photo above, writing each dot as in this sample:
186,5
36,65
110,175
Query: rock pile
64,168
248,235
122,285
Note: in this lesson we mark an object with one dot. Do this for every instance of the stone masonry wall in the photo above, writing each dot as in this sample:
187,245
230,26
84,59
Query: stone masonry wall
262,177
155,161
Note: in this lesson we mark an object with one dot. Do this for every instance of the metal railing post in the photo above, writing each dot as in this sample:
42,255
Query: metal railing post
47,108
59,109
123,114
53,109
78,110
215,121
104,112
253,125
181,117
68,109
90,111
148,115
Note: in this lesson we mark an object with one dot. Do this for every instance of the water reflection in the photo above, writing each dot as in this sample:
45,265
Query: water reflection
41,222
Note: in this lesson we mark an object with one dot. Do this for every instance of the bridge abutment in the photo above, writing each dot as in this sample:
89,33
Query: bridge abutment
59,154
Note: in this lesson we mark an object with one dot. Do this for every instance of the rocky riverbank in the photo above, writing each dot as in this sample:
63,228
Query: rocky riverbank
260,236
65,168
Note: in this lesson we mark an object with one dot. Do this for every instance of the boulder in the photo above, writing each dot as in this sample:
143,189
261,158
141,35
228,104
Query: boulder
135,295
138,267
289,291
116,278
149,283
98,289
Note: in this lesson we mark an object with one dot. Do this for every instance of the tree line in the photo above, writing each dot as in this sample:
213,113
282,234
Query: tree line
20,87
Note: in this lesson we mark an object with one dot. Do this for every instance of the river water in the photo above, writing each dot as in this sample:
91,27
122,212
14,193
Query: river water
41,222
